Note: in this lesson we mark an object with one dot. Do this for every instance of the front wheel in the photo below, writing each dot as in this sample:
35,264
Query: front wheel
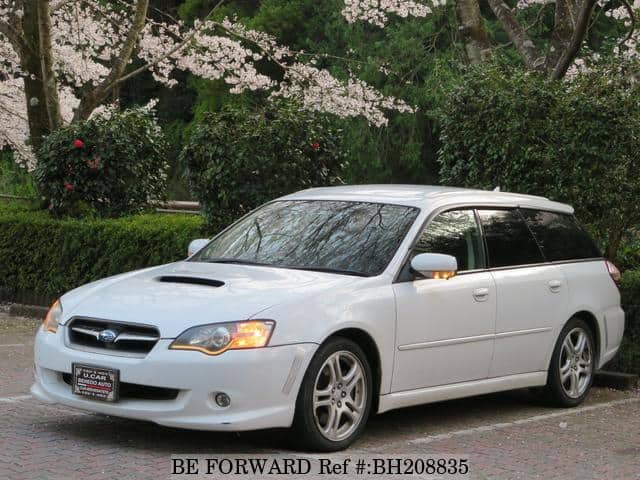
572,365
335,397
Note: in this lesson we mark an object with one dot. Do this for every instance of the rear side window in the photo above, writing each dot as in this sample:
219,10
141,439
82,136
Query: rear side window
560,236
454,233
509,240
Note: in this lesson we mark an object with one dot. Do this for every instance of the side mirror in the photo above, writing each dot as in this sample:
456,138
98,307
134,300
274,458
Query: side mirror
435,265
197,245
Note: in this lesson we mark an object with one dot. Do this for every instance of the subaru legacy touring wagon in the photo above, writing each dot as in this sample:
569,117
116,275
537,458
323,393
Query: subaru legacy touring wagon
323,307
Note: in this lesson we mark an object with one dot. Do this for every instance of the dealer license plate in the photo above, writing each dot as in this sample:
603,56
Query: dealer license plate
96,383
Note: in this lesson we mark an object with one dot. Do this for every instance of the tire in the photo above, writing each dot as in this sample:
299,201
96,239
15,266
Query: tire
571,371
351,404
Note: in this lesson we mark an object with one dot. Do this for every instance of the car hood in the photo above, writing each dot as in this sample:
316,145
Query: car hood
227,293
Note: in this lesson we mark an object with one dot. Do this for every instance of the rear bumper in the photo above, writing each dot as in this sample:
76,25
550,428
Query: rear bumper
262,383
613,319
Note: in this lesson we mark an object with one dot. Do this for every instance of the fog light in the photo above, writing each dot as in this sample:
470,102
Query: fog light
223,400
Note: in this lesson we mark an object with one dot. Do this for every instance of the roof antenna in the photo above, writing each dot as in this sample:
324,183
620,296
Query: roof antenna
497,189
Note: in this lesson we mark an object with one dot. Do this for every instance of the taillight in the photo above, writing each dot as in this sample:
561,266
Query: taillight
614,272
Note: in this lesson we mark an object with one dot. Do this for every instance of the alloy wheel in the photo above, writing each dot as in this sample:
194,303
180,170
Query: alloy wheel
576,363
339,396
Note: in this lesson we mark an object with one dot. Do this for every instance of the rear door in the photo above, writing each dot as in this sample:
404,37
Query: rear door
532,294
565,242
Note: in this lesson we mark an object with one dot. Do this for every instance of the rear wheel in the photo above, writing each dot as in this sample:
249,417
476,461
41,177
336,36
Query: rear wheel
335,397
572,365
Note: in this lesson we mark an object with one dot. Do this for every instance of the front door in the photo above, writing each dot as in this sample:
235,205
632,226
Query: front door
445,328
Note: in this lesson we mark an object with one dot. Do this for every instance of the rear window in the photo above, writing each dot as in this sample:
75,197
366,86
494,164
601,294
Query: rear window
509,240
560,236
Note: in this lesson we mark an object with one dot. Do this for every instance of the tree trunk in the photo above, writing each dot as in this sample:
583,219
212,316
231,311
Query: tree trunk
95,97
46,57
613,244
33,86
579,33
518,36
476,42
562,32
615,233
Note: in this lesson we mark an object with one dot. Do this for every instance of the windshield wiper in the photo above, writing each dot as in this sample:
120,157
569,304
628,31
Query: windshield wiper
331,270
235,261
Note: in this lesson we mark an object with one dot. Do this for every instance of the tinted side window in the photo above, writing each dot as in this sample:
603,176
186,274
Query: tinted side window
560,236
509,240
454,233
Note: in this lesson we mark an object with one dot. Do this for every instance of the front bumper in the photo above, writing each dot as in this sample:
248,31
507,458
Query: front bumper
262,383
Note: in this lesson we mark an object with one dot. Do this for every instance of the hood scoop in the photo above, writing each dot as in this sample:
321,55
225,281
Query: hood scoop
192,280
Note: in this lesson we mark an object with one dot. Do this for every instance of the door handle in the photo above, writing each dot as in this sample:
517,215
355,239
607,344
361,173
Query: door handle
555,285
481,294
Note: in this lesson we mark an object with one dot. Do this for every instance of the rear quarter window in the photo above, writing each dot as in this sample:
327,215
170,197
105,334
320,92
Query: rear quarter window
560,236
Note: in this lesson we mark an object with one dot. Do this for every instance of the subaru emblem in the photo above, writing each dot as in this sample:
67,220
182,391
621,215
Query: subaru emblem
107,336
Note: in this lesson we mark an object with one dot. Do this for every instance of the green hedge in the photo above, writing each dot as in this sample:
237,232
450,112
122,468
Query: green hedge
536,141
628,359
42,257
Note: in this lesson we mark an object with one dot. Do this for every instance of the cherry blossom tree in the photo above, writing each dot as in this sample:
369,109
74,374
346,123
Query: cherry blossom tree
63,59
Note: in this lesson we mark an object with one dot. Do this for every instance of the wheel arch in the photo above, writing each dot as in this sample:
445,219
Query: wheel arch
368,345
590,319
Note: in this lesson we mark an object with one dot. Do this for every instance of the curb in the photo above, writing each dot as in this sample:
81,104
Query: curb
27,311
616,380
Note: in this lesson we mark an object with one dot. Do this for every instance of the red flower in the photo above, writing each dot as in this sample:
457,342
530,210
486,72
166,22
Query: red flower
315,146
77,143
68,186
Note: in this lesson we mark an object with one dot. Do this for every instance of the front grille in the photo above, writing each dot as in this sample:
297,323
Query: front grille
133,391
112,337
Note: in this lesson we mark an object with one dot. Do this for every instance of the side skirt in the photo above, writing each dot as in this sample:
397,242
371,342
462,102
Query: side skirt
409,398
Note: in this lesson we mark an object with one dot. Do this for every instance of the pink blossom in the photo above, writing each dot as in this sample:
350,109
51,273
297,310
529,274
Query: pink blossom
87,36
377,12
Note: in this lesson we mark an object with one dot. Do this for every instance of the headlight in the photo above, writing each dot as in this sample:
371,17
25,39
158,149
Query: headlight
219,337
53,317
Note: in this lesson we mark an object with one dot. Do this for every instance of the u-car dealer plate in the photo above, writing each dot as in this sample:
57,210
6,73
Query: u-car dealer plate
96,383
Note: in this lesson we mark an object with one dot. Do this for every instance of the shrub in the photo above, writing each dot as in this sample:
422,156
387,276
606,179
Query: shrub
630,289
112,164
628,257
45,257
628,359
572,141
238,158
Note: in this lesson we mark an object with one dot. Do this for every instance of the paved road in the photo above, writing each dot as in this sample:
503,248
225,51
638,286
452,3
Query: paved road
503,436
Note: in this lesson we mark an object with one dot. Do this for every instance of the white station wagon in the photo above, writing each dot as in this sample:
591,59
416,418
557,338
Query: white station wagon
325,306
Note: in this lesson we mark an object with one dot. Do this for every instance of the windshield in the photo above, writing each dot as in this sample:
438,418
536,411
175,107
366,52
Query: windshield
344,237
